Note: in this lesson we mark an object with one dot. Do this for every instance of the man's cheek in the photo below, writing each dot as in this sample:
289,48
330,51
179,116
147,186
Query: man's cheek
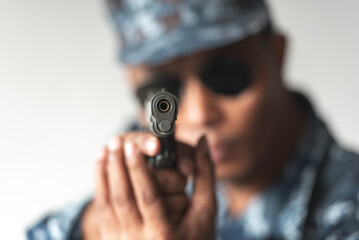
186,135
243,113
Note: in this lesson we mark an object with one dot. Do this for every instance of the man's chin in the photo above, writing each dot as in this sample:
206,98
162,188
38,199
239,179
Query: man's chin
232,172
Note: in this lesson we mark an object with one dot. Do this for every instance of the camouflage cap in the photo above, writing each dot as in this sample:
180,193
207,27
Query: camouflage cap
155,31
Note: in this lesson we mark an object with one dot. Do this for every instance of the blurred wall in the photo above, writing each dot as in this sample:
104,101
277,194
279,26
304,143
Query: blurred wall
62,93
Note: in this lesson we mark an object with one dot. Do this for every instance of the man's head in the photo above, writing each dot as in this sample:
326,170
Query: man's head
231,87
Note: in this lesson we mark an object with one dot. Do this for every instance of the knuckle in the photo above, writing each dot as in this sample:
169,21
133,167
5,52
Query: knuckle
161,178
163,181
162,233
115,143
171,182
126,210
177,204
150,196
122,200
101,201
133,162
178,177
178,180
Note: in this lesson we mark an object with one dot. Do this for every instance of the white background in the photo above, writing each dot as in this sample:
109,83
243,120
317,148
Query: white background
62,93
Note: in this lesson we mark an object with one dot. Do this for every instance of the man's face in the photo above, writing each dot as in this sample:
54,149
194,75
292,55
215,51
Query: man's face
241,128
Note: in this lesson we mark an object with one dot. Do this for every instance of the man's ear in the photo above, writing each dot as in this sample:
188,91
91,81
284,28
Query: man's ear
279,48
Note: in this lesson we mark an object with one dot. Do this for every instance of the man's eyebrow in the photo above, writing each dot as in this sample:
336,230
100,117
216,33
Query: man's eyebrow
153,76
150,77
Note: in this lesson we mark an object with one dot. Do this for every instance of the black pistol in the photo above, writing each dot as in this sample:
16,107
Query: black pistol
162,109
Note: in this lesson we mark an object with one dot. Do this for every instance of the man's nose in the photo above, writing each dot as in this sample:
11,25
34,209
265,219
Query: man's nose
199,105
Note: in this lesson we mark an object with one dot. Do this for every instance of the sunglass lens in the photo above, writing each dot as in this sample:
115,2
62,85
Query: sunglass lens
226,76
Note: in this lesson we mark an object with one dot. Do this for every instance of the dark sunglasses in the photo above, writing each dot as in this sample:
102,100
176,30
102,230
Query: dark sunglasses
224,76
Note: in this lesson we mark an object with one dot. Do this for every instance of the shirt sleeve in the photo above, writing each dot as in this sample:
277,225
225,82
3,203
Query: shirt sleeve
62,225
338,220
345,230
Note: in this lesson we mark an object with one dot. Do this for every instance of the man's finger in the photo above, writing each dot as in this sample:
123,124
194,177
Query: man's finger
102,194
176,204
185,159
204,200
147,143
122,198
146,190
170,181
101,187
150,145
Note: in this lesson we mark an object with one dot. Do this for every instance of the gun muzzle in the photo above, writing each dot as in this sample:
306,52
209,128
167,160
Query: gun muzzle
163,114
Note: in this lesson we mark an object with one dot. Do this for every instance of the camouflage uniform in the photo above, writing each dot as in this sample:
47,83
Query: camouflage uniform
316,198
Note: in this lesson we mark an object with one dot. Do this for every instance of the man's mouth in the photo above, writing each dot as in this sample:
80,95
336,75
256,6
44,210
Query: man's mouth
221,151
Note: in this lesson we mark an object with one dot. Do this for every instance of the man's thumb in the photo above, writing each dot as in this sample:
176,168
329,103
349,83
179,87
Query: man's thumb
203,199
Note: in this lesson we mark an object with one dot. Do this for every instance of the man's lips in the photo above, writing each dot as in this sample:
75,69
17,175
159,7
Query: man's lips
220,151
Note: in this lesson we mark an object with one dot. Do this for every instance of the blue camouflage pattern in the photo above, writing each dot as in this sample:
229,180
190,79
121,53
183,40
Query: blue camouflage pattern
155,31
316,198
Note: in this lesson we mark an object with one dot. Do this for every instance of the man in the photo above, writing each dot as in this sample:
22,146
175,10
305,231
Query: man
279,172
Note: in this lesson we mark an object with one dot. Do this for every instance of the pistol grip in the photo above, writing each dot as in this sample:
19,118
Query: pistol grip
166,158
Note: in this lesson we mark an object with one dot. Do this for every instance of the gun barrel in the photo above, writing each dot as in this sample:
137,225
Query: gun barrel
163,114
